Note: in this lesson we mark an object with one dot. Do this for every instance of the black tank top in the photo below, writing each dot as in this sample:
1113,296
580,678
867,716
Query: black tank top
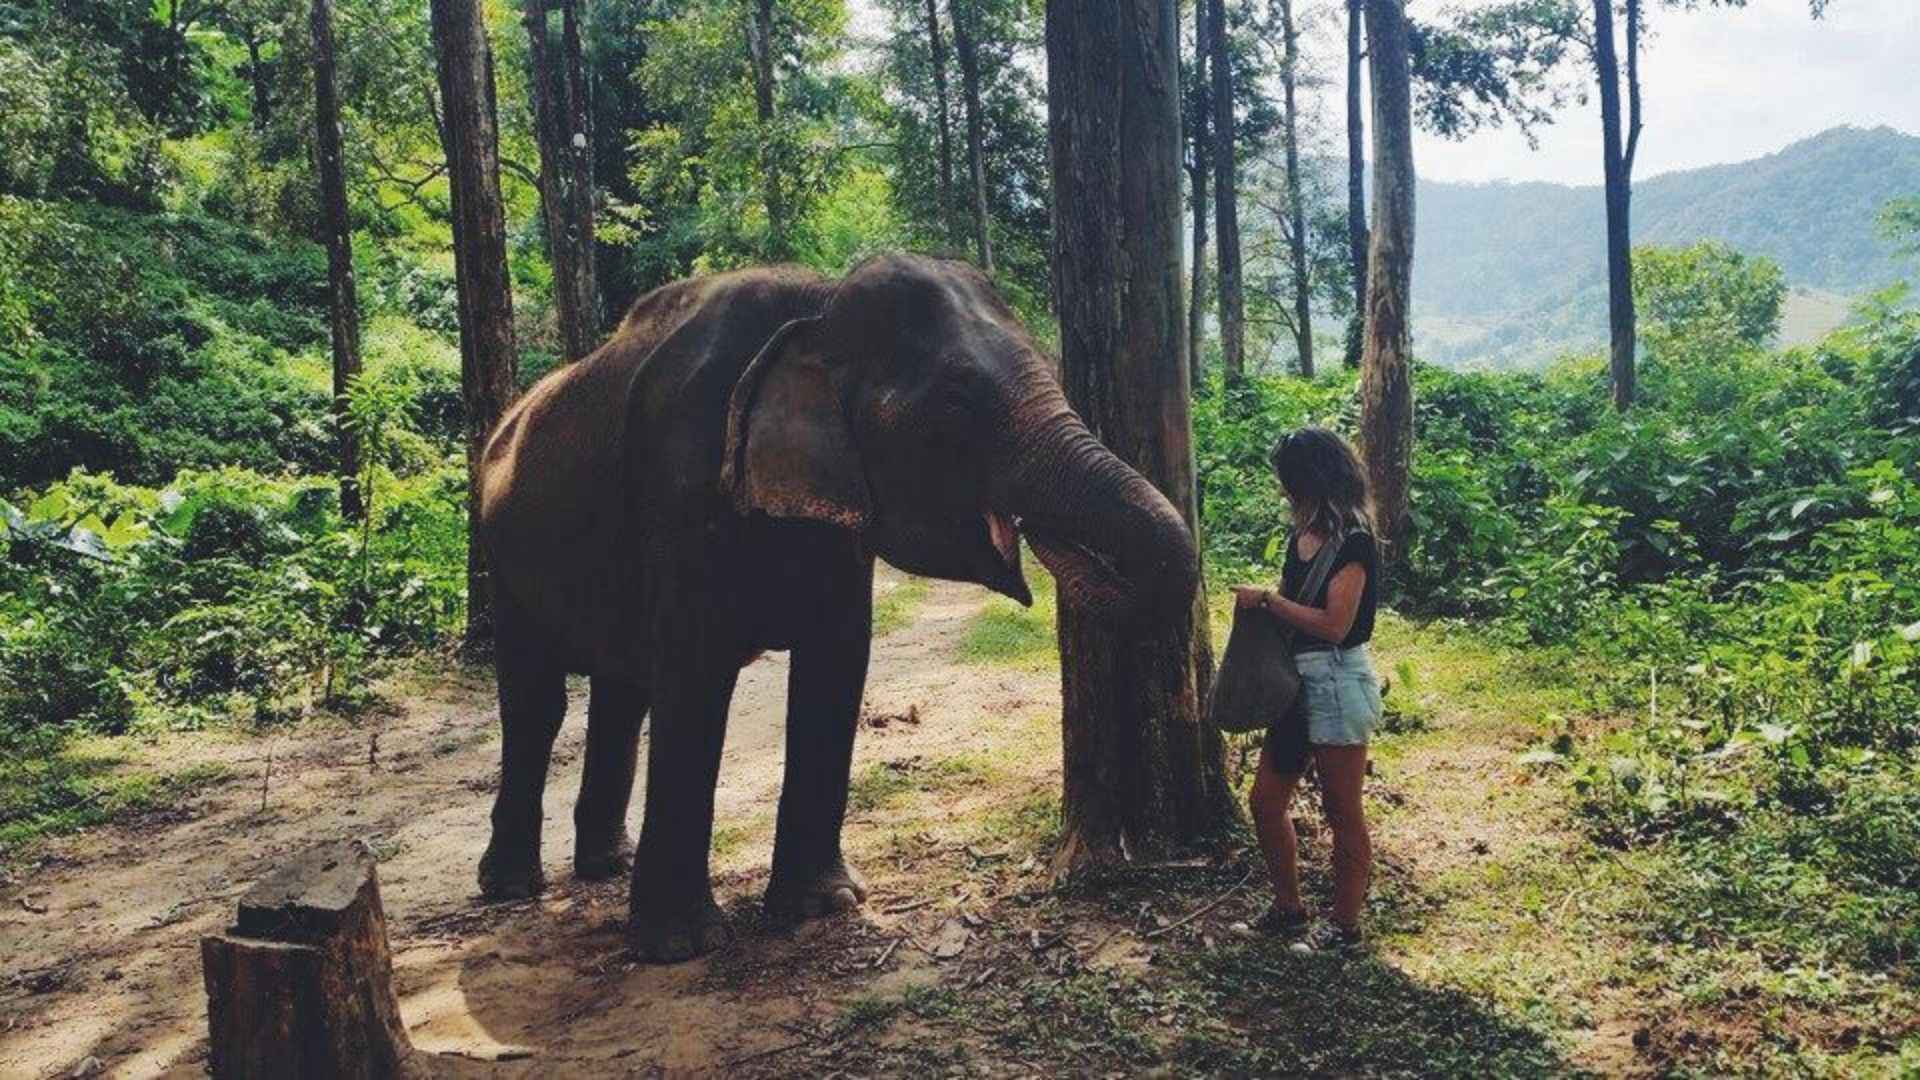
1358,548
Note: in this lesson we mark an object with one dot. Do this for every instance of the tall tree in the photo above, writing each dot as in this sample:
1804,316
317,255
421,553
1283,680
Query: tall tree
557,86
760,48
1386,383
471,137
1199,167
1144,774
1296,194
1618,151
1357,241
943,114
966,44
1226,198
343,307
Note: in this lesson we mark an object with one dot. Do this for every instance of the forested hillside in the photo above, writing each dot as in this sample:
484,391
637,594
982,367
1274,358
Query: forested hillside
1511,274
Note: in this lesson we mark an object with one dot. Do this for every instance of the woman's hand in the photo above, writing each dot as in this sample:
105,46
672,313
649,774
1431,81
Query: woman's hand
1249,596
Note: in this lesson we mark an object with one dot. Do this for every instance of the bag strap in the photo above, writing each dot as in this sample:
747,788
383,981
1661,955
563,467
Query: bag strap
1321,566
1317,572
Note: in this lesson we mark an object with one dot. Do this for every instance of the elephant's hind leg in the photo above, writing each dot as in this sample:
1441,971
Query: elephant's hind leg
533,701
602,846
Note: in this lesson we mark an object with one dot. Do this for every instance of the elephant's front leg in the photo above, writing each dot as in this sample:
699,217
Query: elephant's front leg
824,689
673,916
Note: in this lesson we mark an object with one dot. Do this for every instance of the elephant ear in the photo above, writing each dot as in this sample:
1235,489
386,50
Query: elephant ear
790,452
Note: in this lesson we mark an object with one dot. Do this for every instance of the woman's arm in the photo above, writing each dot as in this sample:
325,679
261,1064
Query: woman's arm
1330,623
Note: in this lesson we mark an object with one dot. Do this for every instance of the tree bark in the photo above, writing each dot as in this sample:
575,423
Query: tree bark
1197,172
1386,384
938,47
342,304
1357,241
257,75
487,361
1144,773
302,985
1619,188
966,44
566,179
1296,200
1226,198
760,48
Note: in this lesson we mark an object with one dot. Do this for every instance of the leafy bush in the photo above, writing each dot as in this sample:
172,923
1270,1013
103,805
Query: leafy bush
225,594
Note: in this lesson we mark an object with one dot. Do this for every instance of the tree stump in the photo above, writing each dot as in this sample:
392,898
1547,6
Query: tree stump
302,985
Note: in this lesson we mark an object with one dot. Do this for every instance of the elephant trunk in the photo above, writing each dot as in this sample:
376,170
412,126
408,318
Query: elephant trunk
1109,537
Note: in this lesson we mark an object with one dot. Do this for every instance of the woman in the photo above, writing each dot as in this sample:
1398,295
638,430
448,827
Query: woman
1326,488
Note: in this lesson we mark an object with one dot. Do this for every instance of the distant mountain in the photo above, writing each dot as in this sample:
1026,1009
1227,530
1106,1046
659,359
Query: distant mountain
1508,275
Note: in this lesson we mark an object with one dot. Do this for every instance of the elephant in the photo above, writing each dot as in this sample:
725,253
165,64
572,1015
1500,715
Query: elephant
715,481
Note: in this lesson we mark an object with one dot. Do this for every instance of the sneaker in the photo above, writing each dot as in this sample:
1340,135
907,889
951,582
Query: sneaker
1279,922
1330,937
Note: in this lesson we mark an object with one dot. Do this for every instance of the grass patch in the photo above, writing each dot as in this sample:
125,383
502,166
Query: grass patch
895,606
47,789
1006,633
885,782
1032,821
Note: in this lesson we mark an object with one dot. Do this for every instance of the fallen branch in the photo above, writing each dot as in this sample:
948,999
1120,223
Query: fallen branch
1216,902
769,1052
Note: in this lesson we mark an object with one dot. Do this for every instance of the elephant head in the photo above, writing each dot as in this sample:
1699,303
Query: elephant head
916,410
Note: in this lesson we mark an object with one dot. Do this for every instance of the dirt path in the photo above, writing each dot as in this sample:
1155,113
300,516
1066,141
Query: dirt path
109,970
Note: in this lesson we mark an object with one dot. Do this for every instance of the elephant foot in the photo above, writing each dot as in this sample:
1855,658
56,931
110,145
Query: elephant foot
514,876
810,896
670,937
597,861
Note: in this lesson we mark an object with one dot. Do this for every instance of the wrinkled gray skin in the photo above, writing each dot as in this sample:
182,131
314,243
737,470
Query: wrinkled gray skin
716,481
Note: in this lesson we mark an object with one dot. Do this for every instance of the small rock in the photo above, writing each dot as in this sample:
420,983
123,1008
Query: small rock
1240,928
951,940
89,1066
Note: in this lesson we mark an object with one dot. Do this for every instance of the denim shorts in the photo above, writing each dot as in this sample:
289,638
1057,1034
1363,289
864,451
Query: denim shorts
1339,706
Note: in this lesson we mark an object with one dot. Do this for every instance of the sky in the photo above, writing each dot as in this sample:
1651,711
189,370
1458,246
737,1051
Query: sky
1719,85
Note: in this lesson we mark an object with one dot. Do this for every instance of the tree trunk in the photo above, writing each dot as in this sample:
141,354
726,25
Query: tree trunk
945,115
302,985
559,126
1357,241
1296,200
1197,172
1619,189
580,194
1226,198
760,47
257,75
966,43
485,295
1386,384
1144,773
343,307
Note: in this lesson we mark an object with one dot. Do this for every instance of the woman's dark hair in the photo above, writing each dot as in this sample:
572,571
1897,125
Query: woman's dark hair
1317,467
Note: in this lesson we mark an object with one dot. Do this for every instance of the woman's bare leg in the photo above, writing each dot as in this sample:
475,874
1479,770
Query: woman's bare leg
1343,770
1270,802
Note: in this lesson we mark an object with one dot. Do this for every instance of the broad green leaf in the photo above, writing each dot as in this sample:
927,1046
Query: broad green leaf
1802,506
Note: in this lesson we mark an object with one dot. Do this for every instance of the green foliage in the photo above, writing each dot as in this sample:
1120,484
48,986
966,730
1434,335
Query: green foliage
226,594
149,343
1706,299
